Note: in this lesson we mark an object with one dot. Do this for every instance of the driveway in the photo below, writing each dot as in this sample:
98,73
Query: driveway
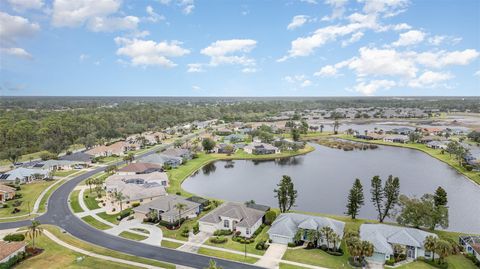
197,240
272,256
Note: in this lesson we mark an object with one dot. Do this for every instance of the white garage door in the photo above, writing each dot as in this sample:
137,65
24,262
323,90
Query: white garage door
207,228
280,239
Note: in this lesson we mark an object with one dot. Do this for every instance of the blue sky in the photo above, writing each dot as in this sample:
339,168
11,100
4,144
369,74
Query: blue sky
239,48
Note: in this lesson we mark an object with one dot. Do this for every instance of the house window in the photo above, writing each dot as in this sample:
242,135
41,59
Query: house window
427,254
226,223
248,231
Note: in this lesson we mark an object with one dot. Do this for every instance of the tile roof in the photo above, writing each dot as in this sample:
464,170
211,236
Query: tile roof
139,167
246,216
287,224
8,248
5,188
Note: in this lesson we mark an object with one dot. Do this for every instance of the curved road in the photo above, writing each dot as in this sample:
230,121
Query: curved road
59,214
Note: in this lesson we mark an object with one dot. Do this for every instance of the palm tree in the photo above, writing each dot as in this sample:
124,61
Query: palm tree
336,125
119,197
443,248
335,239
321,128
367,249
213,265
34,231
327,233
180,207
129,158
430,244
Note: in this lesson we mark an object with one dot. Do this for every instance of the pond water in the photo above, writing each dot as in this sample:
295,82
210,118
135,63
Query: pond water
324,177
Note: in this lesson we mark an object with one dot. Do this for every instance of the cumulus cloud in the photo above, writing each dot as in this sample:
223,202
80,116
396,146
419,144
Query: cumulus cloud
150,53
300,80
13,28
440,59
373,86
187,6
409,38
338,7
152,15
326,71
354,38
21,5
232,51
195,68
106,24
249,70
429,79
297,21
389,8
313,2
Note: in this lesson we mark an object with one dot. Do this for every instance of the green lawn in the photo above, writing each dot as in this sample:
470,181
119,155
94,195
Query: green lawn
58,257
30,192
90,199
454,262
145,231
227,255
132,236
112,218
230,244
436,153
64,173
170,244
289,266
95,223
99,250
74,204
316,257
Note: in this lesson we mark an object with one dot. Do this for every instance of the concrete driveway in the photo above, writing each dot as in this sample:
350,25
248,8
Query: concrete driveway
272,256
197,240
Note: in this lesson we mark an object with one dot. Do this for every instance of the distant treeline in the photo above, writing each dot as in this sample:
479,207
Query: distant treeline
31,124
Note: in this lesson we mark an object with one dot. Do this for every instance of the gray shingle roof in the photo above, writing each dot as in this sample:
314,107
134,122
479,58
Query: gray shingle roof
246,216
287,224
167,205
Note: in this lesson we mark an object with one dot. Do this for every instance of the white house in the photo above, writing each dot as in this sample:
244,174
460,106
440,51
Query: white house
10,249
24,175
261,149
384,237
234,217
471,243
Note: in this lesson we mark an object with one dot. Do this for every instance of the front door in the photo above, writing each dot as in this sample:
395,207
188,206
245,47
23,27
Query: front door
411,252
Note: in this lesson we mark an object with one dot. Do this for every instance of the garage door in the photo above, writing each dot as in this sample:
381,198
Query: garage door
207,228
280,239
377,257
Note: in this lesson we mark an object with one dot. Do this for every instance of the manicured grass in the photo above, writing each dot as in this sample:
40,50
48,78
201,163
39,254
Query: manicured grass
170,244
436,153
454,262
64,173
102,251
56,256
30,192
289,266
316,257
177,233
227,255
145,231
95,223
109,218
230,244
132,236
74,204
90,199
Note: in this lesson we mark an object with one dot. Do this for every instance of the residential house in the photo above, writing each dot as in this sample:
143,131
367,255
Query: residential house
24,175
179,153
99,151
118,148
6,193
234,138
80,157
9,249
224,131
165,208
437,144
384,237
161,159
261,148
225,148
202,201
429,138
54,165
288,144
139,168
396,138
286,226
137,187
234,217
471,244
402,131
432,131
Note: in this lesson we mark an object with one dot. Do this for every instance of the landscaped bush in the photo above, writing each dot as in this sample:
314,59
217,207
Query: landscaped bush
171,226
185,232
5,206
125,213
338,252
196,228
135,204
292,245
436,263
473,259
222,232
14,237
356,263
15,210
262,245
17,203
390,262
14,260
270,217
218,239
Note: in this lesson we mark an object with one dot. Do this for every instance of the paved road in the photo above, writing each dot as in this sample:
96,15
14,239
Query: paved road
59,214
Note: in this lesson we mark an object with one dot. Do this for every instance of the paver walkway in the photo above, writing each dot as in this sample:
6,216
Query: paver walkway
272,256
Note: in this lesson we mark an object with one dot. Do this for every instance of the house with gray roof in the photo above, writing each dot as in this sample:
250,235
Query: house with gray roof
261,148
165,208
384,237
178,152
137,187
78,157
161,159
24,175
471,244
286,226
52,165
234,217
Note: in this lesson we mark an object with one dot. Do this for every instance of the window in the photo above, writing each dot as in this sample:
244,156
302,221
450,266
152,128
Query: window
226,223
248,231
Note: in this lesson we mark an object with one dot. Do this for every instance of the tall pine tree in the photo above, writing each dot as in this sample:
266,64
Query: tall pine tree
355,199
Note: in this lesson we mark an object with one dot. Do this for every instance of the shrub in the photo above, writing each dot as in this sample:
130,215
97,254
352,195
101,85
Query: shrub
222,232
218,239
436,263
185,232
261,245
390,262
270,217
196,228
15,210
14,237
135,204
5,206
14,260
17,203
291,245
473,259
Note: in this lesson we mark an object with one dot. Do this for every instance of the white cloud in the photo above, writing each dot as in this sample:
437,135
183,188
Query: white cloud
373,86
388,7
338,9
313,2
187,6
409,38
477,73
401,27
429,79
17,52
438,40
196,88
21,5
327,71
249,70
150,53
439,59
112,24
152,15
230,52
76,13
301,80
195,68
83,57
13,28
354,38
297,21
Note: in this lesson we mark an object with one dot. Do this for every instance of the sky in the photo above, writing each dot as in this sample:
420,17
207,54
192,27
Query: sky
240,48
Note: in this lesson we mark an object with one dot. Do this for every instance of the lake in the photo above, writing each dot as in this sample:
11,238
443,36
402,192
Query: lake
324,177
